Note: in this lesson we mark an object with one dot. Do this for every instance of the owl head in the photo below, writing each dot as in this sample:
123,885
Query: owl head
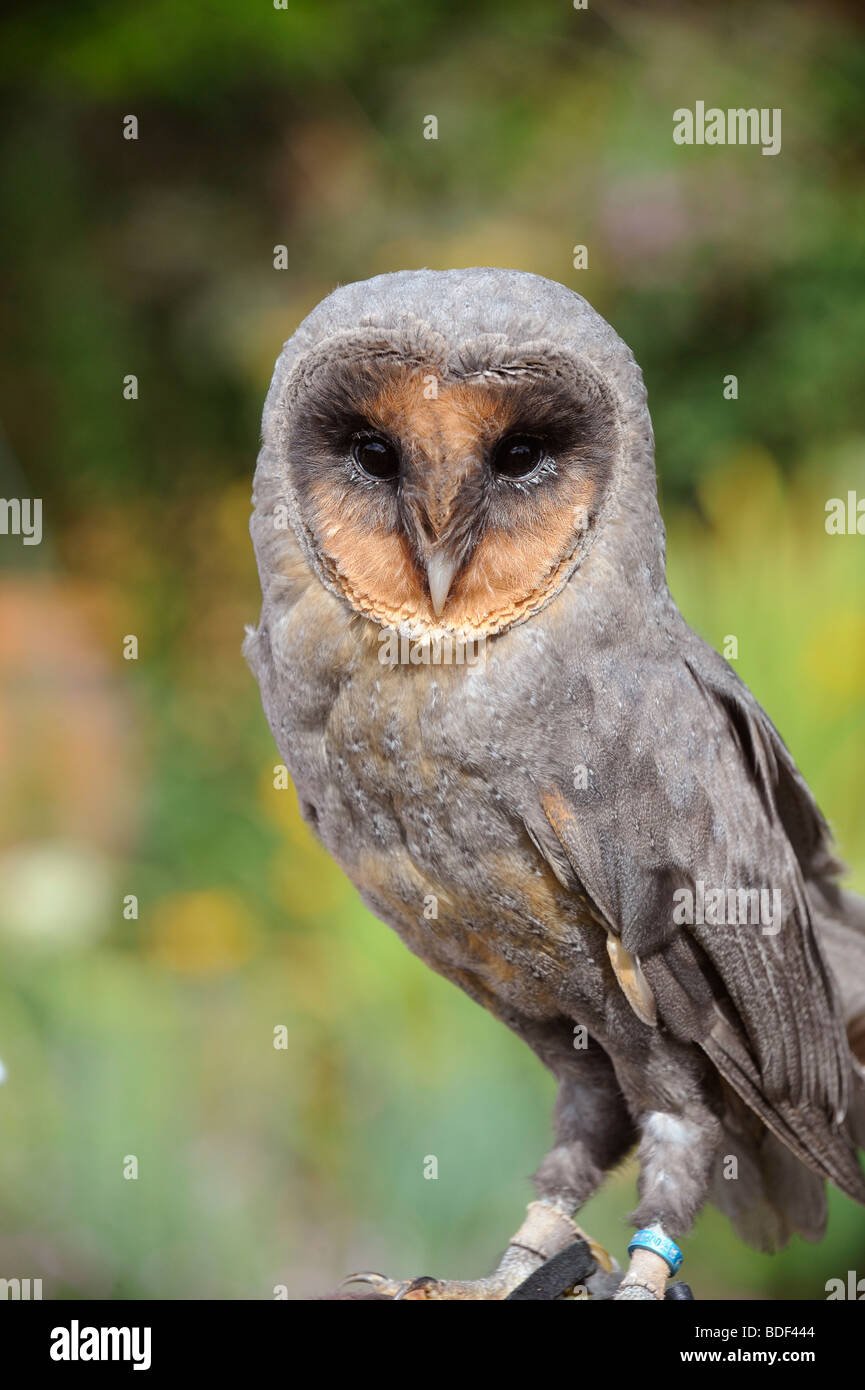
451,447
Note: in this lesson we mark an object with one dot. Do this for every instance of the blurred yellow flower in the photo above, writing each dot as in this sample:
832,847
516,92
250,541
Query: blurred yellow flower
744,497
203,933
834,658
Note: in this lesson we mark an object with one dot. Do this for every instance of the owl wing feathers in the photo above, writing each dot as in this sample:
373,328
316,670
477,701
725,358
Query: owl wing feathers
757,997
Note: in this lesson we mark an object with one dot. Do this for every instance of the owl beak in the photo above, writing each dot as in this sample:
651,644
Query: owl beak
440,571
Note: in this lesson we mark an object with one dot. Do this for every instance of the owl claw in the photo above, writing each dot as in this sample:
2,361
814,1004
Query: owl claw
413,1289
422,1289
547,1241
389,1288
425,1288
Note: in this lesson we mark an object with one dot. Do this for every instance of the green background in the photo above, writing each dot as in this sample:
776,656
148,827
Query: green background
153,1037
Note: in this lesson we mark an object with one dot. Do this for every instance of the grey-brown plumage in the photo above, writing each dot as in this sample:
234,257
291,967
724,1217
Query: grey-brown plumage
554,798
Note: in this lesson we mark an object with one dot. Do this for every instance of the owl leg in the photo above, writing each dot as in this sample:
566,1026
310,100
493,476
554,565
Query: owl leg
594,1131
679,1140
593,1127
545,1232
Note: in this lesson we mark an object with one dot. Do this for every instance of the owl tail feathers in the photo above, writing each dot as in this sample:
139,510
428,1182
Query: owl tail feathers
769,1178
767,1194
840,923
827,1148
780,1169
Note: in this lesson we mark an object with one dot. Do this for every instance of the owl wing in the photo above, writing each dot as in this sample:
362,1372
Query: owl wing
757,998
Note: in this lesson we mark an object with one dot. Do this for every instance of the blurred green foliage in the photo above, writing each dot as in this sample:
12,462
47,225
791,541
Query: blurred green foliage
153,1036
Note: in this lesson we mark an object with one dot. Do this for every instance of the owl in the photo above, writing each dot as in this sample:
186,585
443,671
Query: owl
489,703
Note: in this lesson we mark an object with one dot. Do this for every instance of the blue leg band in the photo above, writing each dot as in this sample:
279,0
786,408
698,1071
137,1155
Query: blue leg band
659,1245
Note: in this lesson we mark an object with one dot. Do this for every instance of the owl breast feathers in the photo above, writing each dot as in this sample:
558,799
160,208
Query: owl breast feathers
562,799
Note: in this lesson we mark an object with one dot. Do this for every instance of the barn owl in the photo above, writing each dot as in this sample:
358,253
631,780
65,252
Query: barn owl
626,866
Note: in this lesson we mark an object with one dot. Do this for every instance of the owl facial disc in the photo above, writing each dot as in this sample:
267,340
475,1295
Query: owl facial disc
440,495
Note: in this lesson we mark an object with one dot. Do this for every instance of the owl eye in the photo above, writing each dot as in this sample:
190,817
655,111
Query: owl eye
518,456
375,456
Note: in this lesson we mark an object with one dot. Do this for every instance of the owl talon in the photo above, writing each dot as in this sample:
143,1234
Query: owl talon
546,1235
389,1288
427,1289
